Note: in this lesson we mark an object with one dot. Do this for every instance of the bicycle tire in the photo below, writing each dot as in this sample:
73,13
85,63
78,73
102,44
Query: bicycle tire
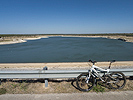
81,82
120,80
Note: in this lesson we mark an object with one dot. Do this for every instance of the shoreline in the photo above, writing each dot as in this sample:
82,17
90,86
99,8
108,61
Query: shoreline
66,65
21,40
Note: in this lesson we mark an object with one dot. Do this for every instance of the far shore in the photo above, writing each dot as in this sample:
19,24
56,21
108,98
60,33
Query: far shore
21,39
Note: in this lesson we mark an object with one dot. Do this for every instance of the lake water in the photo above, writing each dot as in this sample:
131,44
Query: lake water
66,49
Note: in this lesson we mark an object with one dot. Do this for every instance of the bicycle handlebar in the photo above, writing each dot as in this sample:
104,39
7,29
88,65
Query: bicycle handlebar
96,62
92,61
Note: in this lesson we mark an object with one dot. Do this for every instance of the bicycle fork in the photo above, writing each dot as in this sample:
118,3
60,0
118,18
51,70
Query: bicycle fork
88,76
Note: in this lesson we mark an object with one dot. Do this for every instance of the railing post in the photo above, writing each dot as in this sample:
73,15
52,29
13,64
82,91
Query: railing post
0,81
46,80
46,83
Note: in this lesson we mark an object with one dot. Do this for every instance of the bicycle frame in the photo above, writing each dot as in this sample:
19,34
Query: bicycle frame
93,71
86,81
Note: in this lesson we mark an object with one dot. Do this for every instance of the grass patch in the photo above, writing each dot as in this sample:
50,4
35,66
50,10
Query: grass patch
14,85
24,86
2,91
98,88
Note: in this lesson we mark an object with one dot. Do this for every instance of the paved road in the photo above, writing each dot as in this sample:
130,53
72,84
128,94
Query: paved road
124,95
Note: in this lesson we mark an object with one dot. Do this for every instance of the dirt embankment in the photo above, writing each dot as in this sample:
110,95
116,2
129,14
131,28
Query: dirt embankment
54,86
66,65
19,39
122,38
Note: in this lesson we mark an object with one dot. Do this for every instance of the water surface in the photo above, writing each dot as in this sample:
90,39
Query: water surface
66,49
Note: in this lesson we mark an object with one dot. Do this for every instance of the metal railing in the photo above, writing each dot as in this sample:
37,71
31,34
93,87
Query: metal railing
46,74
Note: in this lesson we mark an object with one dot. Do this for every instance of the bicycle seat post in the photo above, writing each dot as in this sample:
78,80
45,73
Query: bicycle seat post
111,63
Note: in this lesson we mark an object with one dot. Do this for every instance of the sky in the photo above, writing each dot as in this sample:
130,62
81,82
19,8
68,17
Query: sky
66,16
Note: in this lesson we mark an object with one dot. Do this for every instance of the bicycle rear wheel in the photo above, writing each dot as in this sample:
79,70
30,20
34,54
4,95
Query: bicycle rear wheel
82,83
117,80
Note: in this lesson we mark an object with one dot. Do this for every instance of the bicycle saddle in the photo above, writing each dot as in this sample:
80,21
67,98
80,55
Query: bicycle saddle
112,61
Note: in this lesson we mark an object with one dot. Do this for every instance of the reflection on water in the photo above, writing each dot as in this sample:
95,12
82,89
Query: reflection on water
67,49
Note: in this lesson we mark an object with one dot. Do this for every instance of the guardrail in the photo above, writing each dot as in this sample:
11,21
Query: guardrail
46,74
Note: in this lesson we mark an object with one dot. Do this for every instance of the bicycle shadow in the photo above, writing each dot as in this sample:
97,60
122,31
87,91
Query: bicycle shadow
73,83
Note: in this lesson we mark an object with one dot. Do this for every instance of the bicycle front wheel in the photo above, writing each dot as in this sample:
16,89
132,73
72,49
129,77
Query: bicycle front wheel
117,80
85,84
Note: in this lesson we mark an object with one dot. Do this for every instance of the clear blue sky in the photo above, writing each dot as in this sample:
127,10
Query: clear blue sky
66,16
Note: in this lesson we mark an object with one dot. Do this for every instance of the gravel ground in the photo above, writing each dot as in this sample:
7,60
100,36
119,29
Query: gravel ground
124,95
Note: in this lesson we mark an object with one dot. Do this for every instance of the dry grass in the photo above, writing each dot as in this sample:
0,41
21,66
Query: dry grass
55,86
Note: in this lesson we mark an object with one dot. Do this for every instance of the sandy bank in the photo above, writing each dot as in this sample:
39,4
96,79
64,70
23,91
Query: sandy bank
13,42
21,39
69,65
127,39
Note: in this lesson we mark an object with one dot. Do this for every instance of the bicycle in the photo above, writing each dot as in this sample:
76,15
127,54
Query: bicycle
86,81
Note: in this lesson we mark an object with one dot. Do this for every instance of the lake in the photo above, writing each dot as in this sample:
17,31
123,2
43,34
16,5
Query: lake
66,49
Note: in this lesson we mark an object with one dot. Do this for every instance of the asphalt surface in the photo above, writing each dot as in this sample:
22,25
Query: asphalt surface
123,95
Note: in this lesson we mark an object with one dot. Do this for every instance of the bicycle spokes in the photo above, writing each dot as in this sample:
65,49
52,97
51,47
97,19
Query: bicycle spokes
85,84
117,80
